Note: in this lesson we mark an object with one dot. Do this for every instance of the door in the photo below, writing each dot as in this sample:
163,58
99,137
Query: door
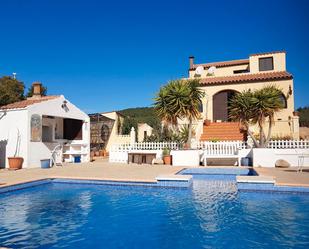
221,104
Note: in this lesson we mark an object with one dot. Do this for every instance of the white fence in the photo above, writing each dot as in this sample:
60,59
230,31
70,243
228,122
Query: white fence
119,152
226,146
288,144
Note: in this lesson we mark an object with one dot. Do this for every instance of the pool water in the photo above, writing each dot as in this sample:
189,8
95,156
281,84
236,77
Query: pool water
210,215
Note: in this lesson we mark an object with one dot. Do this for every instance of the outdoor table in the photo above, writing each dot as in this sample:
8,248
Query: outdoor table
141,157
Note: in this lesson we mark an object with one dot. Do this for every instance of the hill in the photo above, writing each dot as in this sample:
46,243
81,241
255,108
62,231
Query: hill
139,115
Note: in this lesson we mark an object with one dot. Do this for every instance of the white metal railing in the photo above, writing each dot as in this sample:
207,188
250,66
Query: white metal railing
288,144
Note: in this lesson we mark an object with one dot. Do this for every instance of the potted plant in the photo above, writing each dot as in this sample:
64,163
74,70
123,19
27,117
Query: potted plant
16,162
207,122
167,158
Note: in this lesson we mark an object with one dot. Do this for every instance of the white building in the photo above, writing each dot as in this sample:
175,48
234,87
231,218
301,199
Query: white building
144,130
32,128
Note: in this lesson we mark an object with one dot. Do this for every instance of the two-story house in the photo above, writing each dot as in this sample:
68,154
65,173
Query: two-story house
221,80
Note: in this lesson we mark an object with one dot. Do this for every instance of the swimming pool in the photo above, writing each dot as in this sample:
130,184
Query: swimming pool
211,214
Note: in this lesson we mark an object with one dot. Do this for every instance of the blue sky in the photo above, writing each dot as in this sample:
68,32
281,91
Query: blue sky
110,55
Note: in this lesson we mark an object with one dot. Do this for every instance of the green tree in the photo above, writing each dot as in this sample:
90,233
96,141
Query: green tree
11,90
30,91
303,116
143,115
127,124
179,99
256,108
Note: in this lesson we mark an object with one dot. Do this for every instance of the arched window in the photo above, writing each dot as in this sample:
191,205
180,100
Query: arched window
284,101
200,107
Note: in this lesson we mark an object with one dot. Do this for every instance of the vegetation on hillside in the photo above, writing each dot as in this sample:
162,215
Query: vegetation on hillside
133,116
303,116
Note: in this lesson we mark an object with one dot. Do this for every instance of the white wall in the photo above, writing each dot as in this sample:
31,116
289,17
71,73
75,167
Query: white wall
141,129
268,157
10,123
39,150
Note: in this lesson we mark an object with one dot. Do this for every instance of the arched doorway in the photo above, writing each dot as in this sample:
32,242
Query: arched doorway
221,104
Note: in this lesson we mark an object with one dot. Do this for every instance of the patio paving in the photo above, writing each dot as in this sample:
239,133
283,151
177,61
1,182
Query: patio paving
286,176
98,170
103,170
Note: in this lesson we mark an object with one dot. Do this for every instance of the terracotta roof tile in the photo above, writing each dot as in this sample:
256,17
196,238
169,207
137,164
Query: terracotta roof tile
27,102
281,75
222,64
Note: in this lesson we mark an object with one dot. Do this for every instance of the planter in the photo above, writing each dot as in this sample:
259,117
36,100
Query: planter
207,122
186,146
167,160
186,158
295,113
15,163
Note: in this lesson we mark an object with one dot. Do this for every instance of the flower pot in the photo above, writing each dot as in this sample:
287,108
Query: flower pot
295,113
207,122
167,160
101,152
15,163
186,146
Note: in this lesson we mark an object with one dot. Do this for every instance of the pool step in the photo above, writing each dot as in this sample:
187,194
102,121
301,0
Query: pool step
174,180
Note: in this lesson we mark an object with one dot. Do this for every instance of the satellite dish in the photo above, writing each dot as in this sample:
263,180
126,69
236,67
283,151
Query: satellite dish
211,70
199,70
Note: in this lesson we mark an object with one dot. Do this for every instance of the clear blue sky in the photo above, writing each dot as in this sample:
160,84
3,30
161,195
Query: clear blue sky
110,55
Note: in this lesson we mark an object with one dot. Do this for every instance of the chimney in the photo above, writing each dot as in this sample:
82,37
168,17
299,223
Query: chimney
36,90
191,61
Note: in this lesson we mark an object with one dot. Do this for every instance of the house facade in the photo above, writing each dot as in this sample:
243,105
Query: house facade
221,80
32,129
144,130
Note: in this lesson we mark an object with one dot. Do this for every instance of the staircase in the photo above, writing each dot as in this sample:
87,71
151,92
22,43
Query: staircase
228,131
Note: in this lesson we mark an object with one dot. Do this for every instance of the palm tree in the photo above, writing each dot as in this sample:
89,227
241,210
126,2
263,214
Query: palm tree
256,108
267,101
179,99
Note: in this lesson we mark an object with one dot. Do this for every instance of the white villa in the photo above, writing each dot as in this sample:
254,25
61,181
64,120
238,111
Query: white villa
32,128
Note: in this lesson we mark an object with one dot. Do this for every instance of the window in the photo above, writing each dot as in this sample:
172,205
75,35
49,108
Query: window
200,107
283,100
241,71
266,64
145,135
47,134
72,129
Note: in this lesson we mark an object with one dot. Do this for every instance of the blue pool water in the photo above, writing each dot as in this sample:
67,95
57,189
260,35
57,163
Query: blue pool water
210,215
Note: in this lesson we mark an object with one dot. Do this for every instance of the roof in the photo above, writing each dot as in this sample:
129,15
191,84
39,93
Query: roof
265,53
117,112
232,62
222,63
99,117
281,75
27,102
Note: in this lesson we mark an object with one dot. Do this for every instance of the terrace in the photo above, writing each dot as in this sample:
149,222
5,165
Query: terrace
103,170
